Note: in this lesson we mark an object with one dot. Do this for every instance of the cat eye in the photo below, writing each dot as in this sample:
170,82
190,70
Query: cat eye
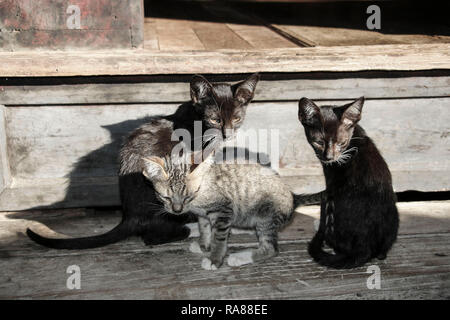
214,121
237,119
319,143
165,198
187,199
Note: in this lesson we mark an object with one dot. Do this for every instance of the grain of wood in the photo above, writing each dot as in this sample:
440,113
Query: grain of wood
257,35
51,162
138,62
215,36
150,35
261,37
177,35
417,267
273,90
327,36
5,174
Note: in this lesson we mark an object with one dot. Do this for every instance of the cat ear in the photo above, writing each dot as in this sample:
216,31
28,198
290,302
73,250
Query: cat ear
352,112
154,168
244,91
201,162
200,88
308,113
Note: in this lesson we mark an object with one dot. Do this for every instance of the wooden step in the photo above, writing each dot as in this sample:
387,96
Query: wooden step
417,267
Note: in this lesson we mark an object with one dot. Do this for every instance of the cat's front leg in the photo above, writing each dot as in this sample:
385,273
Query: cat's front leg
221,225
204,227
204,243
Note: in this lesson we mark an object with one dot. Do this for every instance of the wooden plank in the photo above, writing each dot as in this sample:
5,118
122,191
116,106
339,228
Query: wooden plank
5,174
260,37
208,34
60,193
257,35
177,35
150,35
104,126
415,218
25,194
138,62
213,34
267,90
329,36
85,141
417,267
137,23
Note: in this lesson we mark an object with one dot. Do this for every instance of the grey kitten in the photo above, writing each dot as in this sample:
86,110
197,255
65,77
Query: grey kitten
248,196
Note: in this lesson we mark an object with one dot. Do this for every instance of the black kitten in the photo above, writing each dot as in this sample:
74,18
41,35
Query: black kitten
219,106
358,216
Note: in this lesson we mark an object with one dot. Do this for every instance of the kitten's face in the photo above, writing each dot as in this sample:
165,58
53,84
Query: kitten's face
329,129
223,106
172,183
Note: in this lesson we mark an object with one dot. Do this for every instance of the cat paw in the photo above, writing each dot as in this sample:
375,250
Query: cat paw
208,265
240,258
194,247
204,245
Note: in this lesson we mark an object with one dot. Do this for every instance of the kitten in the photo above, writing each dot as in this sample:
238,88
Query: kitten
358,215
249,196
218,106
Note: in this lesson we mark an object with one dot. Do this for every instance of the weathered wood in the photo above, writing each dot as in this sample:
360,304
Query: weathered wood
327,36
208,34
136,9
417,267
5,174
150,35
78,152
415,218
267,90
138,62
47,24
263,27
260,38
177,35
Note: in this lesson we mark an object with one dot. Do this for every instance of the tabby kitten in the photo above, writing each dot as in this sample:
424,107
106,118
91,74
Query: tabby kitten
358,215
218,106
248,196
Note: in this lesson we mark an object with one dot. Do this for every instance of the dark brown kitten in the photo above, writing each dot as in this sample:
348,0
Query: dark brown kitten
358,216
219,106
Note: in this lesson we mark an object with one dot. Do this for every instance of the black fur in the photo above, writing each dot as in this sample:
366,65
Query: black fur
358,216
219,106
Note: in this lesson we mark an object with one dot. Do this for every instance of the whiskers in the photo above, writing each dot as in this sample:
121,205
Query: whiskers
158,209
204,139
343,158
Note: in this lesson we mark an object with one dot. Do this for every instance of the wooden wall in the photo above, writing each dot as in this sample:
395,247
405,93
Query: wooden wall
54,24
62,141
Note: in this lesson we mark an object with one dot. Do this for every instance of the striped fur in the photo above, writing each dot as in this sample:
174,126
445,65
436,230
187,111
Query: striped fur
247,196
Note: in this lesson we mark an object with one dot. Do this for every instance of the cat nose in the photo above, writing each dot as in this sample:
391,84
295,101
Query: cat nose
329,154
177,208
228,132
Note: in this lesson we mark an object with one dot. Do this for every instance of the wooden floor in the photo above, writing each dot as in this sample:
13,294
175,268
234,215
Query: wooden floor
185,37
186,26
418,267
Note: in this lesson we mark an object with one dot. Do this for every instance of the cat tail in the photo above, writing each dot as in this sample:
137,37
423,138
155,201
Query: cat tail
336,261
120,232
307,199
